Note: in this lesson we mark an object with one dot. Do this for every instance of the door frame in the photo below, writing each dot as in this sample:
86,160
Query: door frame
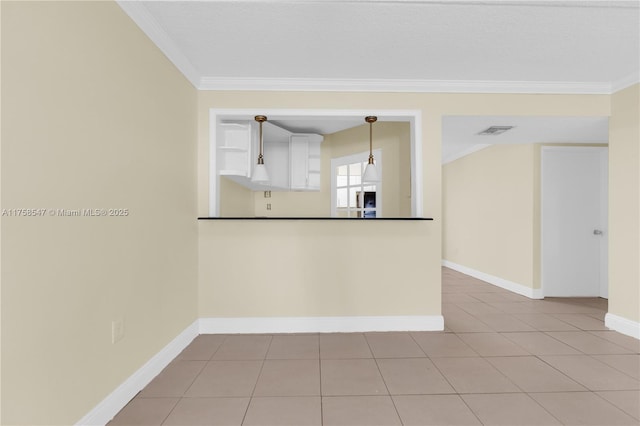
604,211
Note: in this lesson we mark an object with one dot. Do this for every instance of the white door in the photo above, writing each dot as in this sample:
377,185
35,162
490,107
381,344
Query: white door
574,222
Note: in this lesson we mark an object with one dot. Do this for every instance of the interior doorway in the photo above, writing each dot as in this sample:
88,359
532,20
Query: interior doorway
574,207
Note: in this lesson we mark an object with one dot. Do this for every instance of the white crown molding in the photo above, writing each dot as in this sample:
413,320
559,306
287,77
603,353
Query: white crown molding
116,400
147,23
532,293
396,85
623,83
622,4
320,324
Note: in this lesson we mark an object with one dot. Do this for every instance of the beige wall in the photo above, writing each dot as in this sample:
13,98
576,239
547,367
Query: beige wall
236,200
624,204
94,116
317,268
488,206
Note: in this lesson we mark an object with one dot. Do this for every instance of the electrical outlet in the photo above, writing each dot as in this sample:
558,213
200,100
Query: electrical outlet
117,330
268,206
267,194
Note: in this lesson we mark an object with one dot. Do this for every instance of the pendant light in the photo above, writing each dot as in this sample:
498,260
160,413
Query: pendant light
370,172
260,174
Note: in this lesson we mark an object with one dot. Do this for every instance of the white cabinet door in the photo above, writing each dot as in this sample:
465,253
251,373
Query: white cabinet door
305,162
299,152
313,180
276,160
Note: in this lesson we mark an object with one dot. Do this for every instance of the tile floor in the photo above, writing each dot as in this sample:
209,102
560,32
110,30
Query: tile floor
503,360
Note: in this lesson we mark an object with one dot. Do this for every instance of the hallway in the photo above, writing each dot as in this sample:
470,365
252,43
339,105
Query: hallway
503,359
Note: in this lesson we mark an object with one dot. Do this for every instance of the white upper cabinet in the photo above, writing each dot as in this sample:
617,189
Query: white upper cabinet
292,159
276,156
234,149
305,162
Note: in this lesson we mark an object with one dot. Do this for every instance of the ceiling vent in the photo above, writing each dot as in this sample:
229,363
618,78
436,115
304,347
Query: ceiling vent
496,130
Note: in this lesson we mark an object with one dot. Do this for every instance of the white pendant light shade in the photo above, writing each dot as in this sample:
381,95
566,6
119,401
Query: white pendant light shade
370,174
260,174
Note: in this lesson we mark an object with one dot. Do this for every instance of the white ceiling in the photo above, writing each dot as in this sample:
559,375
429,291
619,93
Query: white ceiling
526,46
404,45
460,133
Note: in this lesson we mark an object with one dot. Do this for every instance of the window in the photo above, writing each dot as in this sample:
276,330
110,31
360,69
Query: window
350,197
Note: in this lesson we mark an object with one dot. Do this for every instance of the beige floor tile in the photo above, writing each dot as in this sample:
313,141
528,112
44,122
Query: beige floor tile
491,297
492,344
226,379
359,411
292,377
289,411
208,411
174,380
434,410
581,321
144,411
413,376
243,347
629,364
515,297
222,378
587,343
538,343
598,315
626,342
393,345
474,375
516,409
561,306
627,401
344,346
532,375
583,408
457,298
476,308
351,377
590,372
202,348
544,322
516,307
294,347
463,322
504,322
437,345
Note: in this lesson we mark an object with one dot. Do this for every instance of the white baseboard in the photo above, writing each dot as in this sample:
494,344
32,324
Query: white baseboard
622,325
320,324
532,293
116,400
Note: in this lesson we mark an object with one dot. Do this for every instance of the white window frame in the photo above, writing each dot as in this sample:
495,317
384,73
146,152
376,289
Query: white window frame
362,157
413,117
